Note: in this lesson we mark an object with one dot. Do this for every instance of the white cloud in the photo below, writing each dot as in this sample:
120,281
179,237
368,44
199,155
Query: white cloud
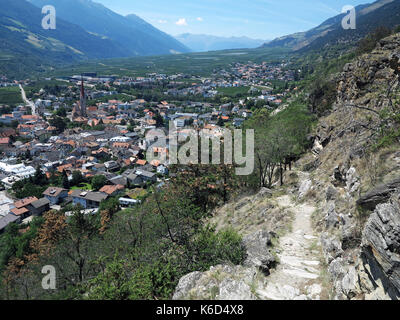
162,21
199,19
181,22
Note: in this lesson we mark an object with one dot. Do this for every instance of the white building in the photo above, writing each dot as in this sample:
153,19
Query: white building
120,139
15,173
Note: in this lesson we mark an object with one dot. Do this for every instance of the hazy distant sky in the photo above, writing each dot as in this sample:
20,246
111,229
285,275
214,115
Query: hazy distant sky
263,19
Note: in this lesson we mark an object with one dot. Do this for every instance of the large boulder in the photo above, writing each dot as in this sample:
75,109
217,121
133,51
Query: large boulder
257,251
380,194
222,282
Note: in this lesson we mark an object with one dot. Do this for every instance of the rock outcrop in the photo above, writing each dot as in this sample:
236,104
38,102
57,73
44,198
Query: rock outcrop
361,249
381,250
221,282
305,187
258,254
379,194
225,282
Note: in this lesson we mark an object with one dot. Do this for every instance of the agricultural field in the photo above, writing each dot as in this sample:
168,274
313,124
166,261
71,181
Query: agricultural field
10,95
198,64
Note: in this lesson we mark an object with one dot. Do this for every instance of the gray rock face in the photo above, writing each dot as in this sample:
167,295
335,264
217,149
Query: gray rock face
332,247
380,194
331,193
186,283
332,219
235,290
352,181
304,188
226,282
258,254
349,284
381,248
222,282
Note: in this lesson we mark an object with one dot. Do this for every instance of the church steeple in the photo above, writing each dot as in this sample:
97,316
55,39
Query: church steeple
82,100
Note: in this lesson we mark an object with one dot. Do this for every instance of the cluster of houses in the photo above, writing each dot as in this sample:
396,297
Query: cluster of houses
110,138
257,74
25,209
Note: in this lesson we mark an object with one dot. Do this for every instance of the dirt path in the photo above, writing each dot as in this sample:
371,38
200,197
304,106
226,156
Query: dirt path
298,273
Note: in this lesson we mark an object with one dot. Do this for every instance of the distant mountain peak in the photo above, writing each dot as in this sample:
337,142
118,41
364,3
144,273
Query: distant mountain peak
204,42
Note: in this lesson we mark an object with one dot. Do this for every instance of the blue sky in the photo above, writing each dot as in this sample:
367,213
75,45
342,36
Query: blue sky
263,19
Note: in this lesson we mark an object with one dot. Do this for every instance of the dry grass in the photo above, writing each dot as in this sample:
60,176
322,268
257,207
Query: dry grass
253,213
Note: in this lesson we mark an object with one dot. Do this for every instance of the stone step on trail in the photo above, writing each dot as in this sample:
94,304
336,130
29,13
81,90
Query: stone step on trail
301,273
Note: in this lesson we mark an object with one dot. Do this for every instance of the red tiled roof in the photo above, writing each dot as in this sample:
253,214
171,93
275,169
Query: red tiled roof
24,202
141,162
19,212
111,189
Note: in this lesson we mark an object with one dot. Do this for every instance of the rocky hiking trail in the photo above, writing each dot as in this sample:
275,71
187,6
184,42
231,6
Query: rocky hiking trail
284,255
297,276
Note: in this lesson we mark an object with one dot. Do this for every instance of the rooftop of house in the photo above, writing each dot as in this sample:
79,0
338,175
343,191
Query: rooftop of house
53,191
24,202
141,162
145,173
4,222
110,189
19,211
40,203
89,195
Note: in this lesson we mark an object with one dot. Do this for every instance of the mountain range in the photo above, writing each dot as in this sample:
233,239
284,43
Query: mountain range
384,13
84,30
26,46
133,34
203,42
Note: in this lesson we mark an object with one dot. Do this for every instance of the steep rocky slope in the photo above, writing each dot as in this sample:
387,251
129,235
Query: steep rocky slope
355,168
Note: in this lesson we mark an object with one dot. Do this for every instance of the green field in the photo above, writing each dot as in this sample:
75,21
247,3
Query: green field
198,64
10,95
50,87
